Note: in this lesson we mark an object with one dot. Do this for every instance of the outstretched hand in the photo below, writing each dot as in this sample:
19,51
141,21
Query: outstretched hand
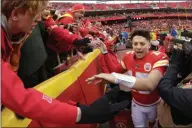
95,43
100,77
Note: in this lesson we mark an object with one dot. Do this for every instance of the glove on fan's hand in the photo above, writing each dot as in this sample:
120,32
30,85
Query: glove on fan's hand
102,110
177,57
117,96
81,42
176,64
113,94
123,95
187,47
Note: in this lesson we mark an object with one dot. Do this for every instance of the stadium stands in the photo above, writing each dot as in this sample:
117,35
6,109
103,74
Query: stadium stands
104,7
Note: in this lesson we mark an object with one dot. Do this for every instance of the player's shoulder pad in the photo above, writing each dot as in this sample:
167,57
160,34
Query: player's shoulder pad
159,55
161,60
127,55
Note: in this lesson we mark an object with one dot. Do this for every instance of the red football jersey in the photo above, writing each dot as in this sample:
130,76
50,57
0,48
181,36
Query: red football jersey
140,68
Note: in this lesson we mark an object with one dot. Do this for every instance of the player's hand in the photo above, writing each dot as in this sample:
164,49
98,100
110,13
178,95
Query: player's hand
101,76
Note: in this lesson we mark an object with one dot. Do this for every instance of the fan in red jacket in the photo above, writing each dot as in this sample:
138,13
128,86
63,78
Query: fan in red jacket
110,44
61,40
30,103
84,30
73,17
115,62
166,45
70,17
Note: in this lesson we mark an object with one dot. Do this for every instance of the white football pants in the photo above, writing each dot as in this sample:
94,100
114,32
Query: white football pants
141,114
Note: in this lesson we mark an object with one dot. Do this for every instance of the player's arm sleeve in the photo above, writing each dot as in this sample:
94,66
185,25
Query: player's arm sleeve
162,64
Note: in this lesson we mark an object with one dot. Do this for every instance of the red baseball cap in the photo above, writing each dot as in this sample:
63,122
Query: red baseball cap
78,8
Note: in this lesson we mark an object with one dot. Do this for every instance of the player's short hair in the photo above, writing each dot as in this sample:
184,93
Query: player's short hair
140,32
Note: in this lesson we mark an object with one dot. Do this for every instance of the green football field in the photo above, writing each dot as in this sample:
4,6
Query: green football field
177,30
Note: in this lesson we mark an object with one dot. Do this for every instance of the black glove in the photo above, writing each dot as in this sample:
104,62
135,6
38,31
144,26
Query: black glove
122,95
116,95
176,63
187,47
102,110
97,112
113,94
81,42
177,57
115,108
85,49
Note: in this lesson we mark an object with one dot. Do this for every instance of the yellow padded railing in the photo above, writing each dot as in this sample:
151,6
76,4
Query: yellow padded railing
52,87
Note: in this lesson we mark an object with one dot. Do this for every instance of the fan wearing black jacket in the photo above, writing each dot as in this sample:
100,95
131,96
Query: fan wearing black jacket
178,99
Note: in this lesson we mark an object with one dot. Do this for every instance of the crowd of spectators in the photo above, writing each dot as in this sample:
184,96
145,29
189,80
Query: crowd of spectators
162,24
142,15
103,6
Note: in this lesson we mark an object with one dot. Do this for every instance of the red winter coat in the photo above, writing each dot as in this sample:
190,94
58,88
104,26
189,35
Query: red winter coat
109,63
84,31
60,40
30,103
67,18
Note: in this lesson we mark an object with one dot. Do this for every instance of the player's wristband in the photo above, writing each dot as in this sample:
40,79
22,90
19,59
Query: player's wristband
117,81
125,80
